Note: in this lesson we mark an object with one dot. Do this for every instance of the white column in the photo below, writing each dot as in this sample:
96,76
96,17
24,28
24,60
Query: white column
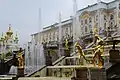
117,16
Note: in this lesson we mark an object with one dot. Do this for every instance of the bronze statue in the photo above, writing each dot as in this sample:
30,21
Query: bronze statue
20,59
98,51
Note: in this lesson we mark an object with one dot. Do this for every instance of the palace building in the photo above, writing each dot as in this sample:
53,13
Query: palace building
8,42
102,17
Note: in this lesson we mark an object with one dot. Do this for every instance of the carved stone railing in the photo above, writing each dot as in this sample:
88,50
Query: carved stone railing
60,69
66,71
63,70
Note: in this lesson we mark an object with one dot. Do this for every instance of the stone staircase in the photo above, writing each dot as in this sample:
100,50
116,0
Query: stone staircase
70,66
61,69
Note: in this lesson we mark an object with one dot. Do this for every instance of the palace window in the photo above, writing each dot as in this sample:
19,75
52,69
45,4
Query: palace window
111,17
57,38
96,24
57,35
90,26
66,31
50,36
85,28
111,25
96,17
119,14
81,22
104,25
90,20
104,17
46,37
54,36
82,29
86,21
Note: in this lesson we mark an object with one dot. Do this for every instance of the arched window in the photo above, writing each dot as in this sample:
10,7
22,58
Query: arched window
81,22
90,20
96,17
104,25
90,26
86,21
50,36
104,17
46,37
66,30
85,28
53,35
111,17
111,25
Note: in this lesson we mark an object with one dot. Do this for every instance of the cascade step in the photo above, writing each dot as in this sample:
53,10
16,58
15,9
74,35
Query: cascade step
74,66
44,78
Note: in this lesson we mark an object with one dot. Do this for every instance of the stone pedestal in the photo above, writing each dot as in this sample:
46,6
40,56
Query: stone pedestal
67,54
97,74
114,55
90,74
81,74
48,61
20,72
78,78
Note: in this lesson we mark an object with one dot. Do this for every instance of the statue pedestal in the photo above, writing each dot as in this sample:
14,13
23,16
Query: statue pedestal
114,55
90,74
20,72
67,54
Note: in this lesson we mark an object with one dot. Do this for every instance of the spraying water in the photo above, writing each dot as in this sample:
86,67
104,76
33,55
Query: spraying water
34,57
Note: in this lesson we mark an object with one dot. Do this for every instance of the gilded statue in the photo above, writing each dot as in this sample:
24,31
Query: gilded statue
80,51
99,49
66,44
20,59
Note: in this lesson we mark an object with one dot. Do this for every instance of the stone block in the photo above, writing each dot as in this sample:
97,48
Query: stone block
97,74
81,73
114,55
79,78
20,72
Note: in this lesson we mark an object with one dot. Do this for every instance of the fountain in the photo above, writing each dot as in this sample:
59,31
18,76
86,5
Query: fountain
34,58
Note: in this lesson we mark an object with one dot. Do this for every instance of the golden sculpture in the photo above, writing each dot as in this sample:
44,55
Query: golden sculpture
66,44
80,51
20,59
98,51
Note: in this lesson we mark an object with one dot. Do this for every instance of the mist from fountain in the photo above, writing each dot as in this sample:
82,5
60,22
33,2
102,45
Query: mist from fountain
34,59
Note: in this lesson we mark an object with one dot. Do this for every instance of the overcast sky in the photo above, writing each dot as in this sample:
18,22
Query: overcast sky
23,15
